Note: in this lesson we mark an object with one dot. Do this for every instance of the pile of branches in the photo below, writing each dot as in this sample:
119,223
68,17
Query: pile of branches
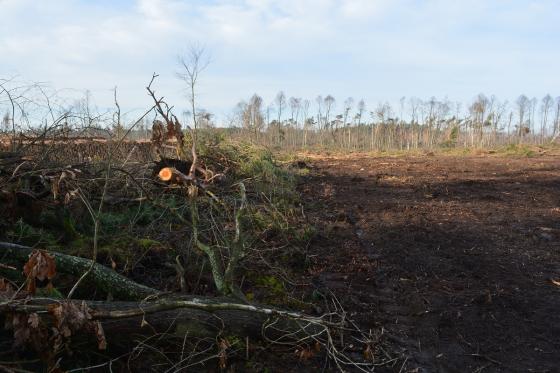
50,323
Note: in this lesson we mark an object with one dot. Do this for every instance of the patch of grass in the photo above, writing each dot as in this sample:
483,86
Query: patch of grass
126,248
517,150
302,171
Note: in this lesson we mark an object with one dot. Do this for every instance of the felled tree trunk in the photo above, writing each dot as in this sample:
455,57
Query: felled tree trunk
199,317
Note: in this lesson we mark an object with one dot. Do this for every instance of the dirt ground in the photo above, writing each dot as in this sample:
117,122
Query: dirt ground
454,259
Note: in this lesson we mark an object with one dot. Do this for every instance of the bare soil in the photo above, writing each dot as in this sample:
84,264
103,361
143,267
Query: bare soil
453,259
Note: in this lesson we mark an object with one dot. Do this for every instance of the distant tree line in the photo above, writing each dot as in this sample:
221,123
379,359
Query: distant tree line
301,123
297,123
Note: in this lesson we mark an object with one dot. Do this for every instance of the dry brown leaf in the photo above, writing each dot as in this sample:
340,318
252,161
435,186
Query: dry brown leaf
100,334
368,353
158,133
55,310
71,318
40,266
20,325
31,286
6,289
57,340
33,320
305,353
29,331
317,346
68,197
223,345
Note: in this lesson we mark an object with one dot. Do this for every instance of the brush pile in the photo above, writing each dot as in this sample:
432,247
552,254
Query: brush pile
182,239
134,248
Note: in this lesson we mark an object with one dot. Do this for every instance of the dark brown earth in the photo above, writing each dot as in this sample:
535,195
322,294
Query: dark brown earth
453,258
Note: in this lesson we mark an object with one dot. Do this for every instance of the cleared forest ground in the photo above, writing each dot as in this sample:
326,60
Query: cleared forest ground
455,258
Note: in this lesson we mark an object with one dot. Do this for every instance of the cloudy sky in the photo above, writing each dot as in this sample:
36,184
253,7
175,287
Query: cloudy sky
379,50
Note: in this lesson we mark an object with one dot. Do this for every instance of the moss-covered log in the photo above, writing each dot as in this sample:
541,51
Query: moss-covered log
102,277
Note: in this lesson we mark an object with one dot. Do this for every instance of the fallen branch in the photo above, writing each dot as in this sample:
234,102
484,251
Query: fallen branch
199,317
113,200
124,322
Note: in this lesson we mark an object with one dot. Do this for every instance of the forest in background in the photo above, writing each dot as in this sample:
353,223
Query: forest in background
295,123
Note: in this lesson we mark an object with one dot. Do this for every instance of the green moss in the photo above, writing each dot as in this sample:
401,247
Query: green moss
81,245
305,233
303,171
234,340
147,243
49,293
272,291
70,228
517,149
272,283
27,234
112,221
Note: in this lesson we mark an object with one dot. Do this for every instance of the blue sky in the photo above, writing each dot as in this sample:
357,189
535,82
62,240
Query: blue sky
379,50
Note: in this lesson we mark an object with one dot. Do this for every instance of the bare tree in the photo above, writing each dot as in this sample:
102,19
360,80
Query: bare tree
13,109
6,122
305,120
268,110
479,110
523,106
280,102
556,125
329,104
205,119
294,109
192,63
546,106
361,109
348,106
533,107
253,119
319,102
295,106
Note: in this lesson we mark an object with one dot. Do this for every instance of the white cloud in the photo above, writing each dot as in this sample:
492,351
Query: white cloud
364,9
162,15
310,47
